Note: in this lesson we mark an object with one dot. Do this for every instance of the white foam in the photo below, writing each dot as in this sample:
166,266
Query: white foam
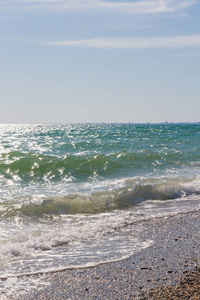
40,241
91,253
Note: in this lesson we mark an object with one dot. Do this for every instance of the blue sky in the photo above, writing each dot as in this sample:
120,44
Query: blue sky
99,61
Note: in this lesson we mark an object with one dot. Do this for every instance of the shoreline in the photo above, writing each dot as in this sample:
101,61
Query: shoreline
173,256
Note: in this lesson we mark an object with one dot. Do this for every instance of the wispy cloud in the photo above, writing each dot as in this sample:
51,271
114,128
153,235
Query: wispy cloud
131,43
67,6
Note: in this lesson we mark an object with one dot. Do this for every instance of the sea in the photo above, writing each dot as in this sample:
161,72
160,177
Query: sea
69,193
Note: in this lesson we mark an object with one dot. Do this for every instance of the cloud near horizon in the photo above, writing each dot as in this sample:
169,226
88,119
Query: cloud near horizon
131,43
68,6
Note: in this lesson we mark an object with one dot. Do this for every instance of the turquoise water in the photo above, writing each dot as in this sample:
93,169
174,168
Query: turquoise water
78,185
80,160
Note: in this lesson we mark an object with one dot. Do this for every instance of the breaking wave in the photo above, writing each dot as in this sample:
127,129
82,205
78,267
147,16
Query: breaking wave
133,193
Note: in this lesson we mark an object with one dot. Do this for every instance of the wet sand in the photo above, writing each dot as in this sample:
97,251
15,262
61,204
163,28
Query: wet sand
168,269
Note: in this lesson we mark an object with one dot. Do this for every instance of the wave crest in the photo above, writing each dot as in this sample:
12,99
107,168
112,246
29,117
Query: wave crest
133,193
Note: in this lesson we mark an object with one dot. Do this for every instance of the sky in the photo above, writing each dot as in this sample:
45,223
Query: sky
80,61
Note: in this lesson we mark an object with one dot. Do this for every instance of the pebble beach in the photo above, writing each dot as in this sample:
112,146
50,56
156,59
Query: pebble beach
168,269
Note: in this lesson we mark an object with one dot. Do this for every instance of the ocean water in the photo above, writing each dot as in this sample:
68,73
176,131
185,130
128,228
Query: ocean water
70,194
